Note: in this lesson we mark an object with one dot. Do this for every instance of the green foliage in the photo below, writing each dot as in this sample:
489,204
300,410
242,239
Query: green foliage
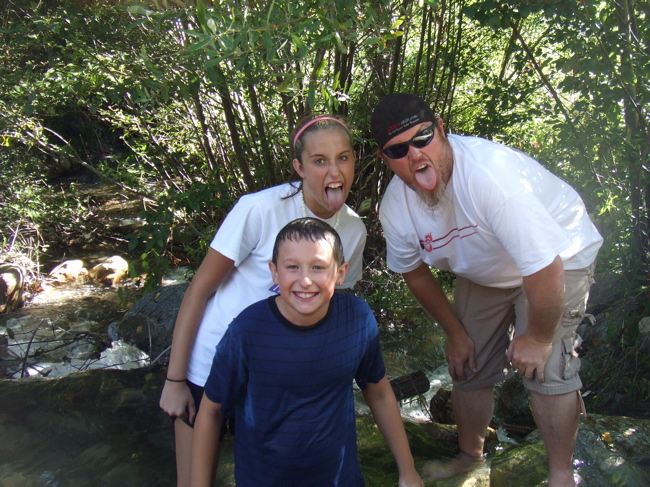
385,291
189,104
591,59
33,216
175,218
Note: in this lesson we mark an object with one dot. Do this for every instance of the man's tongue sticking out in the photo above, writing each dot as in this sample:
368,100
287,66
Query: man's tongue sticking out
426,178
334,195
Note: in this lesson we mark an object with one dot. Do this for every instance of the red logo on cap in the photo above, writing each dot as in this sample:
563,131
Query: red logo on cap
393,127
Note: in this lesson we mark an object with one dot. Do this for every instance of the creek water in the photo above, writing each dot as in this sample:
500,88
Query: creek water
63,330
103,427
69,432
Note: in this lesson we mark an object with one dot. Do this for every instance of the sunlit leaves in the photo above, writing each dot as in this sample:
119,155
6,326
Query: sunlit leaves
158,75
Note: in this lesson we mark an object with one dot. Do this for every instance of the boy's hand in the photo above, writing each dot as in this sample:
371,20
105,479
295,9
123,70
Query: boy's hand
410,479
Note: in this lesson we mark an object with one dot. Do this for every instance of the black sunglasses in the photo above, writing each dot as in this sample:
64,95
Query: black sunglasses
421,139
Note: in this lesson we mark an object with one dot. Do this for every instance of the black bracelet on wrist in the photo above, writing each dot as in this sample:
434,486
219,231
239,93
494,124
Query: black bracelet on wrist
175,380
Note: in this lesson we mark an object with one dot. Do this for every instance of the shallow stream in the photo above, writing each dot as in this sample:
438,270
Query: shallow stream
63,330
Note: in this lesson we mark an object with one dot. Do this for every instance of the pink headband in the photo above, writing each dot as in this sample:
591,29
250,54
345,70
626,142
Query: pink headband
313,121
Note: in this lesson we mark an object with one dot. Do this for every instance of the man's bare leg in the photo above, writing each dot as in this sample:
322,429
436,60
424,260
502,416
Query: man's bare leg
557,418
473,411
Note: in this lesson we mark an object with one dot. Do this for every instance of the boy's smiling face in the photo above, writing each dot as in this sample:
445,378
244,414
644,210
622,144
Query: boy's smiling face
307,274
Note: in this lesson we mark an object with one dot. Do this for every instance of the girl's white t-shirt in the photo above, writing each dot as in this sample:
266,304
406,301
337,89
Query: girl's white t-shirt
247,236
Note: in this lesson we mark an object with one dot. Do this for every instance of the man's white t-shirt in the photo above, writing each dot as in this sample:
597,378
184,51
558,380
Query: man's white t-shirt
247,236
509,217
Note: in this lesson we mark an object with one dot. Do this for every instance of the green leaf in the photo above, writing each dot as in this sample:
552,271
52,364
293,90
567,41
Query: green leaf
227,43
213,62
267,41
338,42
212,26
243,62
135,24
201,12
372,41
326,23
216,77
154,70
297,42
197,46
139,10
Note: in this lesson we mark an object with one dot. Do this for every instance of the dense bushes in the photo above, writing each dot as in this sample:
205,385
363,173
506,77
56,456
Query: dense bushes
188,105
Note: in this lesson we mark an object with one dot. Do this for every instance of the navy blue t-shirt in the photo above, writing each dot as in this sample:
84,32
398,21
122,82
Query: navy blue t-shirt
291,389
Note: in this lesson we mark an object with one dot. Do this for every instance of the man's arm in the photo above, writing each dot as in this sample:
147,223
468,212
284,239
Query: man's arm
381,400
459,348
204,443
544,290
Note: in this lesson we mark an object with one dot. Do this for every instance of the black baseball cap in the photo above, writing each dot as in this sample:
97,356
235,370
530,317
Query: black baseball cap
396,113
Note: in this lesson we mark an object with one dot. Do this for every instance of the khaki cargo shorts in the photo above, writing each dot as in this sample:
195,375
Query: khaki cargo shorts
491,316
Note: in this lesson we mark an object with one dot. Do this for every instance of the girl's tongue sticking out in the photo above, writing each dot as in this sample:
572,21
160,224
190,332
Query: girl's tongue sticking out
334,195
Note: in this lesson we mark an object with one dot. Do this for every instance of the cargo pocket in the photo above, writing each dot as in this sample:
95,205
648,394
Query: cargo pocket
570,365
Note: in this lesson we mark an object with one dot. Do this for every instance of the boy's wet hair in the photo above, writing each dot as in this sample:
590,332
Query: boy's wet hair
311,229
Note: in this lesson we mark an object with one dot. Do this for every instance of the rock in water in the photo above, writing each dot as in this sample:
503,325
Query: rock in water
149,325
12,286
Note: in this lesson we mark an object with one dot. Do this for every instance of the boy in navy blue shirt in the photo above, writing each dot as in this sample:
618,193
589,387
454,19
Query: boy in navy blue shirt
285,368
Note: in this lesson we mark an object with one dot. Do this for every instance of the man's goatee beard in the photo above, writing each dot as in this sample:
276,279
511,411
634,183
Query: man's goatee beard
437,199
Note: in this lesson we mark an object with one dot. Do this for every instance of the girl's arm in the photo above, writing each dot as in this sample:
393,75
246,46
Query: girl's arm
381,400
176,399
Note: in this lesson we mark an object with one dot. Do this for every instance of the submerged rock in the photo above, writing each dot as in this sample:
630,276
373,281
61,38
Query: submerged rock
69,270
101,427
111,271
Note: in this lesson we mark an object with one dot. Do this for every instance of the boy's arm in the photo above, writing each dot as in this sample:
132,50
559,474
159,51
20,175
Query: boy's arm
381,400
204,443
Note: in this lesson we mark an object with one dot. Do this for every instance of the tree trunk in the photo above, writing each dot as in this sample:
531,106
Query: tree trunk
239,152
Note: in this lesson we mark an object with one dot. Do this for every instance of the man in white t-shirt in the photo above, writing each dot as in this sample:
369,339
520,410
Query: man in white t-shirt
522,246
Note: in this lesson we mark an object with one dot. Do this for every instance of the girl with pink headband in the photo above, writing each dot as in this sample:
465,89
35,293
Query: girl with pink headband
235,271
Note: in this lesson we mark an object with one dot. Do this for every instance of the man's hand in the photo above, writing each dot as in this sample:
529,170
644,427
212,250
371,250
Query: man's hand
529,356
459,347
459,350
529,352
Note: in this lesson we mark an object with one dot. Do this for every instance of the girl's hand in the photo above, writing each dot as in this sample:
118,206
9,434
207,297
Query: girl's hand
177,401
